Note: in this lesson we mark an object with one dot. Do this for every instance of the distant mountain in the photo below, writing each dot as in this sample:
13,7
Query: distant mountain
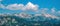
24,19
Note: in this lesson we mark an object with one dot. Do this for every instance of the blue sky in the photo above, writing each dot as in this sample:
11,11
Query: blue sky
41,3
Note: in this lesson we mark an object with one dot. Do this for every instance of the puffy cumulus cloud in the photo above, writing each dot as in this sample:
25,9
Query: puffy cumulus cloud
15,6
31,6
28,6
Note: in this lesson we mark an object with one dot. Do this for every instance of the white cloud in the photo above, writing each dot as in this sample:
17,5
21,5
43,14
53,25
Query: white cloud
31,6
28,6
14,6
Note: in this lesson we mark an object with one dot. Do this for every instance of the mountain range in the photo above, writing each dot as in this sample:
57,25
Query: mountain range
24,19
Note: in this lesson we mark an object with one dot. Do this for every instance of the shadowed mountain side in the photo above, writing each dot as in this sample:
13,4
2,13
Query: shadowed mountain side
33,20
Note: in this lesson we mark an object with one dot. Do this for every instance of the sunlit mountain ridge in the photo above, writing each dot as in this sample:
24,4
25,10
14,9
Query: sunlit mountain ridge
29,19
